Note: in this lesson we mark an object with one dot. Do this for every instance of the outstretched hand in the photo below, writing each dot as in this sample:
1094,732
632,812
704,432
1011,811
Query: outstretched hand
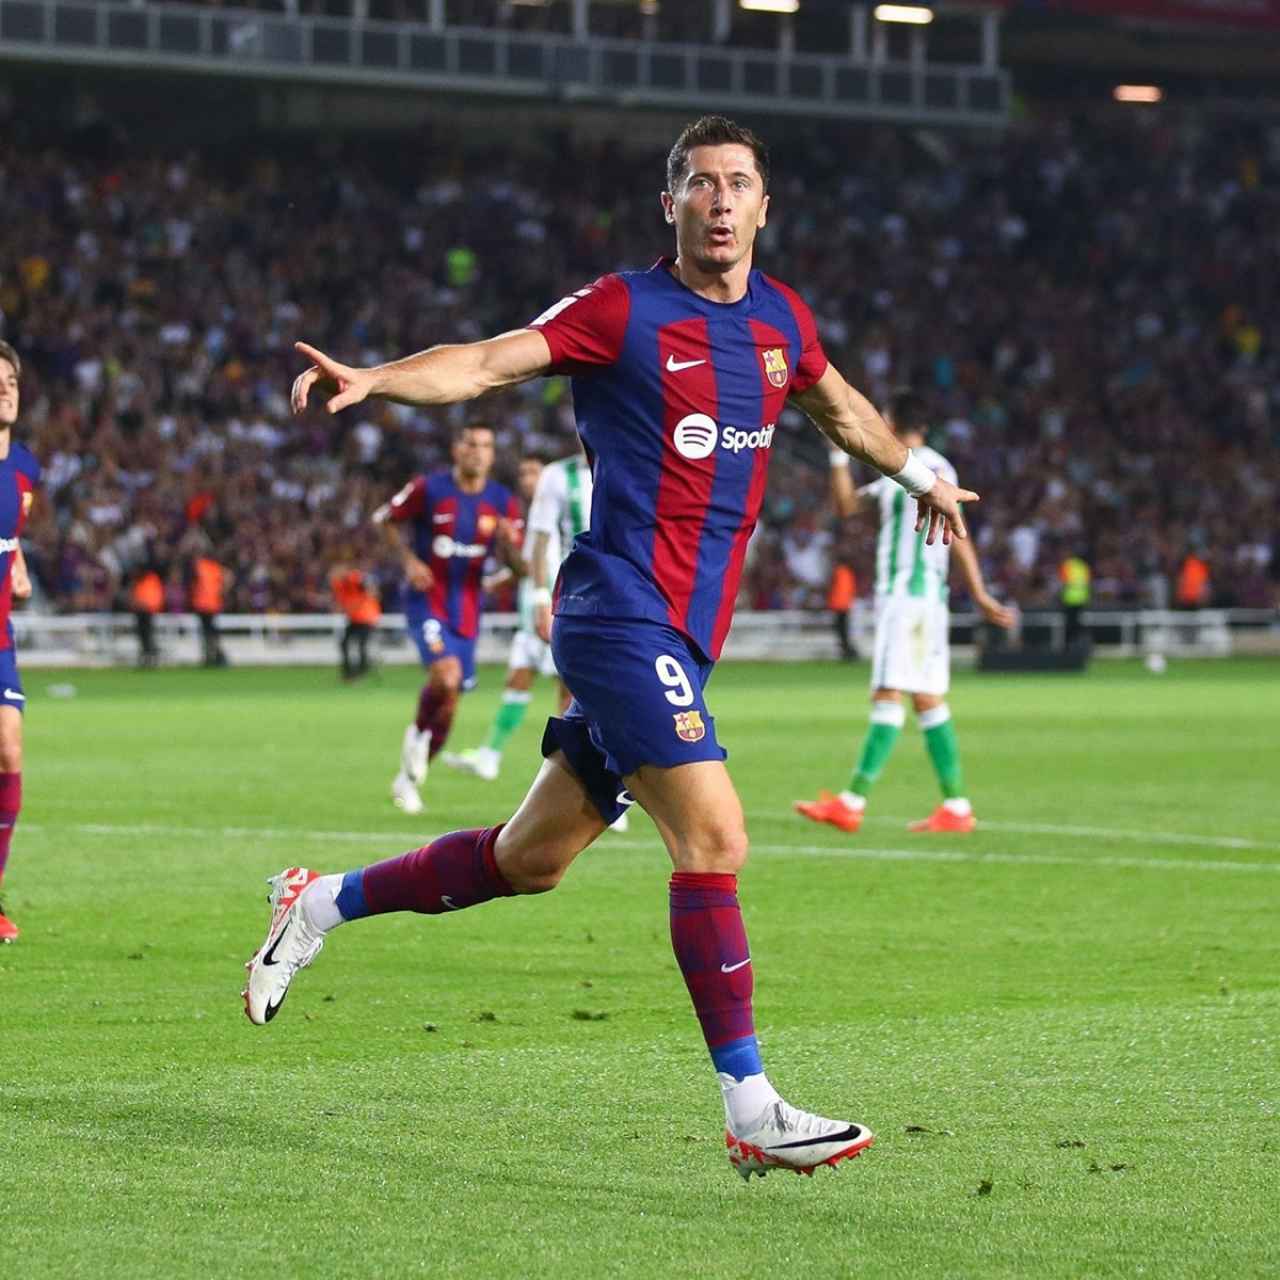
349,385
940,510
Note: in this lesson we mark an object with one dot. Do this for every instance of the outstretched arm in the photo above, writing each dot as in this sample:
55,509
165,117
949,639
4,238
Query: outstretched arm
990,608
849,420
440,375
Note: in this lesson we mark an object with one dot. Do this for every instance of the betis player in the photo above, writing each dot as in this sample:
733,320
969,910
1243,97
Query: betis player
19,477
912,652
680,374
456,518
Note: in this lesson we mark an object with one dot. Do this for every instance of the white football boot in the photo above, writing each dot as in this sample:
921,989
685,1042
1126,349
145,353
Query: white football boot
405,794
484,762
782,1137
291,944
414,751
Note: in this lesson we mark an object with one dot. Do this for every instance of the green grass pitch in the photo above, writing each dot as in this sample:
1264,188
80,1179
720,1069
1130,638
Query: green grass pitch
1065,1029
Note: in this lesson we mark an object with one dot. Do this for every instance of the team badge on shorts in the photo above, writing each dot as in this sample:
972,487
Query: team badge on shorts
689,726
775,366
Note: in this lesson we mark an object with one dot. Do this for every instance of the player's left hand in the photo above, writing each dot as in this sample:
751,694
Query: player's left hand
991,609
21,581
939,509
351,384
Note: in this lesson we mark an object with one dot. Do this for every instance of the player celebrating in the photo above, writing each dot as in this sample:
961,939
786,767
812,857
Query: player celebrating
680,373
458,516
912,645
19,476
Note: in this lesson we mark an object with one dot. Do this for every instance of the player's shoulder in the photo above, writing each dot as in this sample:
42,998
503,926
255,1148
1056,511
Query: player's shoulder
22,459
771,288
936,462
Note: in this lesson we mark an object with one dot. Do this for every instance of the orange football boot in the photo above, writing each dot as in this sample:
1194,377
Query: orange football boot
943,820
829,808
8,930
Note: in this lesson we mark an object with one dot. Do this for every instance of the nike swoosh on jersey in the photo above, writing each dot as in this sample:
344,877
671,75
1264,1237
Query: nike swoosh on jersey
674,365
730,968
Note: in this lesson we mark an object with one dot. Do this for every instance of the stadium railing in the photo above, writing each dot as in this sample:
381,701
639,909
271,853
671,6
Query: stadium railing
527,64
252,639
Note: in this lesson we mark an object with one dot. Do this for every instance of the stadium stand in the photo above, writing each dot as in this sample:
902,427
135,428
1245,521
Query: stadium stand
1089,302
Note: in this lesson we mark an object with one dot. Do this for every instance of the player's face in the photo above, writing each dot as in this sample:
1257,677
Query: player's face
8,395
473,454
527,477
720,206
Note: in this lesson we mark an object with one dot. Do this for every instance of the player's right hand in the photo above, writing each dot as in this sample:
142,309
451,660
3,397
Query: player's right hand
542,622
1001,614
418,573
350,385
940,510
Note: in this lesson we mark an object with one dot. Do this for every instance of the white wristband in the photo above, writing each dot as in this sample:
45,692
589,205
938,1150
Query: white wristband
915,477
541,596
839,460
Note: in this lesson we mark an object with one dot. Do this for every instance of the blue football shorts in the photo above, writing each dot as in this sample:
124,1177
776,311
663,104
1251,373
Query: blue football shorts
11,694
436,639
638,698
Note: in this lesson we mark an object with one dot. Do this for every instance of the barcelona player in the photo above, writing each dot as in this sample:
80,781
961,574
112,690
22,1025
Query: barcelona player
456,517
680,374
19,477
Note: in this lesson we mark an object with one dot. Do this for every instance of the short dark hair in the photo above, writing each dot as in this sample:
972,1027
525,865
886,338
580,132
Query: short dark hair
9,354
908,411
714,131
473,426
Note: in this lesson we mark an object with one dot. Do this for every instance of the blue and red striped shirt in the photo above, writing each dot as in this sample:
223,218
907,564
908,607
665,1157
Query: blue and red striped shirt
453,532
677,399
19,478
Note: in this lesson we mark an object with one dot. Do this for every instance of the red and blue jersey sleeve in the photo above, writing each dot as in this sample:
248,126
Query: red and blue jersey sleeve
585,330
812,361
411,502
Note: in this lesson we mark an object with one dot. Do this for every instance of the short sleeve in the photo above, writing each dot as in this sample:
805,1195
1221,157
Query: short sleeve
29,465
544,510
813,361
585,330
411,501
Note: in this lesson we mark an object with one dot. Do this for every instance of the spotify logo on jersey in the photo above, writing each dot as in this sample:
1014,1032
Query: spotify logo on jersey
695,436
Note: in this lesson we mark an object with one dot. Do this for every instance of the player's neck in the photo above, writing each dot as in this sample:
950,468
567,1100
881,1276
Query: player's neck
715,286
6,437
473,485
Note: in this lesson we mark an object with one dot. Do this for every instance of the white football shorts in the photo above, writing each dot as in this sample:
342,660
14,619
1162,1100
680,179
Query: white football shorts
530,653
912,648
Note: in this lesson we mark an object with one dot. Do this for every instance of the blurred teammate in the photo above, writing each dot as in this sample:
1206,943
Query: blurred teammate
357,597
912,645
457,516
19,477
680,373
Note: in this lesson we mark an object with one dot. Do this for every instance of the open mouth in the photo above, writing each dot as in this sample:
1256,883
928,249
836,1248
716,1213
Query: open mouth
720,235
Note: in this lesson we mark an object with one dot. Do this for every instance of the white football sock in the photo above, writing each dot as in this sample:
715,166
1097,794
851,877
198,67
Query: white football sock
852,800
959,806
319,904
745,1099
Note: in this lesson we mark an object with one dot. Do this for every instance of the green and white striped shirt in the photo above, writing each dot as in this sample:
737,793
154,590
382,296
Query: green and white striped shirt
561,508
905,564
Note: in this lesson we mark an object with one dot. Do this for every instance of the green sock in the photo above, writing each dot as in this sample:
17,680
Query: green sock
887,719
944,750
514,704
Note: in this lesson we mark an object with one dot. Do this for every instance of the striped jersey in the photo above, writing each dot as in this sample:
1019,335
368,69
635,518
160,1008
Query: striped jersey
905,564
676,398
19,478
453,532
561,509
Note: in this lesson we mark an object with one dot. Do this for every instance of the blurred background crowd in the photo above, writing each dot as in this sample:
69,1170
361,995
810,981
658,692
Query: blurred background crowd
1091,305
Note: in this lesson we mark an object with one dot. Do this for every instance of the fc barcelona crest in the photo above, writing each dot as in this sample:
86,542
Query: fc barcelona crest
689,726
486,524
28,497
775,366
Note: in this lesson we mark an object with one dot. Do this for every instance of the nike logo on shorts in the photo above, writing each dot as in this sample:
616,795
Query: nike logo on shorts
15,695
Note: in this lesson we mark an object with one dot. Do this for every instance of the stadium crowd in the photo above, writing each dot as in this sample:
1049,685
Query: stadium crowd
1092,307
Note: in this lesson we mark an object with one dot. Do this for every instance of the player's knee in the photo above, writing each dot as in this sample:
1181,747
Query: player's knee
530,869
10,757
720,849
